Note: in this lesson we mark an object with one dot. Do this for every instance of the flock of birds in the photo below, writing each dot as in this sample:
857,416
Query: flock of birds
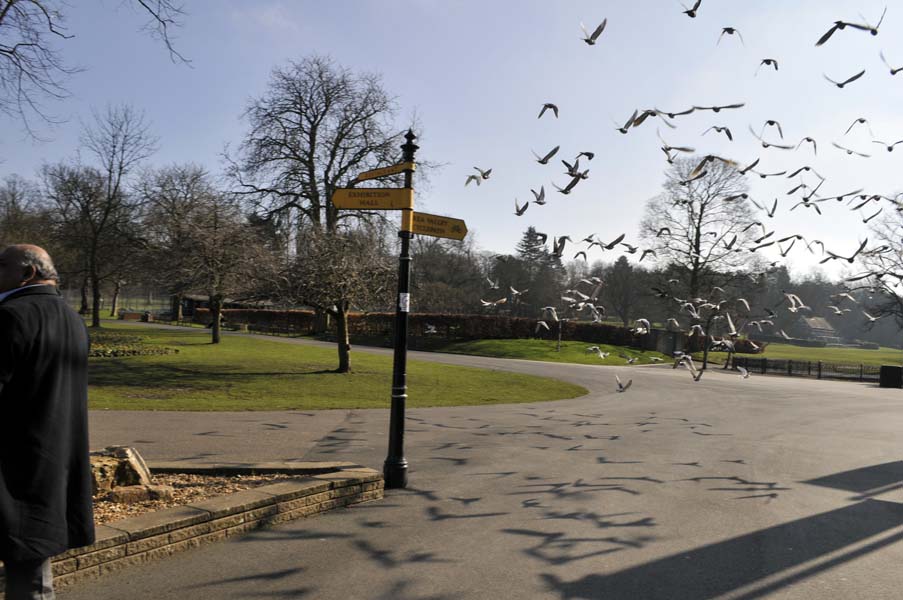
807,190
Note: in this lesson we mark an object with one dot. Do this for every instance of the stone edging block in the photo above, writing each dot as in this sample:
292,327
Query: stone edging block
320,487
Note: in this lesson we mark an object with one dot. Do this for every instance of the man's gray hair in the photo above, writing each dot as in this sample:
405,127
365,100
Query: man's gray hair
42,264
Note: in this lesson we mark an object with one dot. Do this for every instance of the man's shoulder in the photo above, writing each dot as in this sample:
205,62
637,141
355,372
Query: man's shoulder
27,300
31,293
24,311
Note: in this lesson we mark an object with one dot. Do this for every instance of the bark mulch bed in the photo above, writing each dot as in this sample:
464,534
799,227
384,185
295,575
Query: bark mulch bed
187,489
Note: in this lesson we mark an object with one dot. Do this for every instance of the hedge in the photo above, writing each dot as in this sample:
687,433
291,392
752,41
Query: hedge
696,343
793,341
446,327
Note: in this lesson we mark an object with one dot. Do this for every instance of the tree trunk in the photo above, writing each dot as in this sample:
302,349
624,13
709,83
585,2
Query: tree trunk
114,303
95,300
693,290
321,321
216,310
697,250
84,308
706,340
341,326
727,361
175,307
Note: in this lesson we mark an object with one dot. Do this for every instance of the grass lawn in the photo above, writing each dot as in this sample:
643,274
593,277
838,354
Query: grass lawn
571,352
852,356
244,373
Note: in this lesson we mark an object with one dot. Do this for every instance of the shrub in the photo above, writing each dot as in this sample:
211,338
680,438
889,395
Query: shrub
112,344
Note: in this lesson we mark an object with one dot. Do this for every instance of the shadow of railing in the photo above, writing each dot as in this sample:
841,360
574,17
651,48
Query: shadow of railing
867,481
763,561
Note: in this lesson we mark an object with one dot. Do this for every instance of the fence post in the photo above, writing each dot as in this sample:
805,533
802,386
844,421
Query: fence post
764,366
819,369
789,368
860,372
809,368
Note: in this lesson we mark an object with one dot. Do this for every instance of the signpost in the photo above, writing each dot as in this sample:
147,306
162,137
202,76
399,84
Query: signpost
437,226
374,198
395,468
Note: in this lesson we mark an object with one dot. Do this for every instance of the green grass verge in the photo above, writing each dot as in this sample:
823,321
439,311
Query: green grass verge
855,356
244,373
851,356
571,352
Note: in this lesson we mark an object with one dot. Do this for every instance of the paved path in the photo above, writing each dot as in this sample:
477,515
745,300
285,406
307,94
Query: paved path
730,488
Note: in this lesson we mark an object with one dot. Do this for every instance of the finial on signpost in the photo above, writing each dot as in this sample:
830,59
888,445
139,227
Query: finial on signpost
409,147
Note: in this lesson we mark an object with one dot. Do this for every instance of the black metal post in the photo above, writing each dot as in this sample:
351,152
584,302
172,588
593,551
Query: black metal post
395,468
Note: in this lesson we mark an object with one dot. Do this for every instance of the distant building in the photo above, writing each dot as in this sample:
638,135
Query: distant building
190,302
815,328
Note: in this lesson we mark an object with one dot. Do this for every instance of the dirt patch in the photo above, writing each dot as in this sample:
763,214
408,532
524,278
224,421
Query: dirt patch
187,489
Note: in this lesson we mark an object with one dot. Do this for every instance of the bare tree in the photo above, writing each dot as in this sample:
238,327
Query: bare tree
317,126
224,253
32,66
23,217
447,275
882,272
335,273
172,197
693,225
95,215
95,230
120,140
197,238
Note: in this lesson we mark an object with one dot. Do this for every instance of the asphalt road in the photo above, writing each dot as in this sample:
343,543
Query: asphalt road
727,488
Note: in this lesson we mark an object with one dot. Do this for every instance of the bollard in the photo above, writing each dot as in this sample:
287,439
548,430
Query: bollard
890,376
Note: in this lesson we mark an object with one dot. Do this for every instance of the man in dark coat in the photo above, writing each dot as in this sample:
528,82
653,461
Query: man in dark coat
45,470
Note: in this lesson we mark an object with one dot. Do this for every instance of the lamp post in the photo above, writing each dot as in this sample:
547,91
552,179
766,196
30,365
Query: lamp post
395,468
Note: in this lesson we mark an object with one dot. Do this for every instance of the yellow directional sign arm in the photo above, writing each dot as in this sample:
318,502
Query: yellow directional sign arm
385,171
439,226
373,198
407,220
407,215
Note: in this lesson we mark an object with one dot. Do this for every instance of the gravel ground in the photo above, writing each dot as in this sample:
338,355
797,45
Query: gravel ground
187,488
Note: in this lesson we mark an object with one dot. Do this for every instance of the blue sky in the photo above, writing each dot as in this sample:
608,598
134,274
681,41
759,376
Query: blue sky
476,74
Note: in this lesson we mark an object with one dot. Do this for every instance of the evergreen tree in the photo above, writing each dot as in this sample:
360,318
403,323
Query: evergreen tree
532,248
540,272
621,291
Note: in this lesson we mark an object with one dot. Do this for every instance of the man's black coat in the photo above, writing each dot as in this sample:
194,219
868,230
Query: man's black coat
45,471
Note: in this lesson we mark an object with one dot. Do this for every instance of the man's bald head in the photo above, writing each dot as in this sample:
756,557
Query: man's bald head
25,264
